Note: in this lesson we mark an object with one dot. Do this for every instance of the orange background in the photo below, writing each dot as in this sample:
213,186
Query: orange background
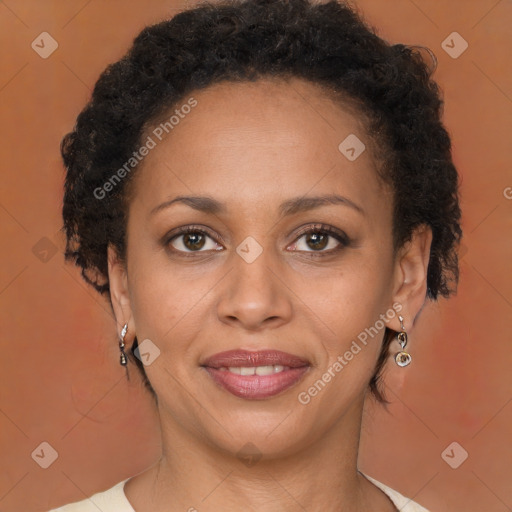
61,379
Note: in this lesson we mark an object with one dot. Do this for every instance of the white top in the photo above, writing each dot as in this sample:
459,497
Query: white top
114,500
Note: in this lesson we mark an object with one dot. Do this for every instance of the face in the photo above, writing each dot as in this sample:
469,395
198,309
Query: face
261,270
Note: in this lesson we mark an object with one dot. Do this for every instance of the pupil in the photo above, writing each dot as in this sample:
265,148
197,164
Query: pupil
195,244
315,237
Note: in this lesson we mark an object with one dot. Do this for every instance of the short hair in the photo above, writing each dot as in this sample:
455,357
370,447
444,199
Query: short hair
328,44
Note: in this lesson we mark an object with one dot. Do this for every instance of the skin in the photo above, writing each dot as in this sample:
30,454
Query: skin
252,146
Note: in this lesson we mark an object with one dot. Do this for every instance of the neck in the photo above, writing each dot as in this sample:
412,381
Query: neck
193,475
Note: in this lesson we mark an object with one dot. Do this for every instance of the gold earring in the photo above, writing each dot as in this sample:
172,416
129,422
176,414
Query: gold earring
123,359
402,358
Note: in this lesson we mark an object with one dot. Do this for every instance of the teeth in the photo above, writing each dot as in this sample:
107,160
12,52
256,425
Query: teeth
255,370
269,370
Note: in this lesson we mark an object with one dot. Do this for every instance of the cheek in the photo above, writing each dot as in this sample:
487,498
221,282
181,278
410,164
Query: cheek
352,305
155,297
163,300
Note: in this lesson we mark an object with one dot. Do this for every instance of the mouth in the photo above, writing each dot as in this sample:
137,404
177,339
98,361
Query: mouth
255,375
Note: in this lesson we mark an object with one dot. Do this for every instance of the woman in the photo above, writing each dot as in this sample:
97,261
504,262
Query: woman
264,192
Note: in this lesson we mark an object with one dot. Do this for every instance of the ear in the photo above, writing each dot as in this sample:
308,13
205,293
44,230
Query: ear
410,277
119,293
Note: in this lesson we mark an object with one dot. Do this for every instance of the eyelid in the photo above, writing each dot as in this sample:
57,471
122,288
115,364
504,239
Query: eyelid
324,228
193,228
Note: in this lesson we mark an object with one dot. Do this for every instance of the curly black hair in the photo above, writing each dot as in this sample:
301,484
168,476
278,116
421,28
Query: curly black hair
328,44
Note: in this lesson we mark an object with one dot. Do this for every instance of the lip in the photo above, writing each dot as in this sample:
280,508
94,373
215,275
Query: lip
255,387
259,358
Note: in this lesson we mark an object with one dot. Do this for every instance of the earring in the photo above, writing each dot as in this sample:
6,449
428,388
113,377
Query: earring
402,358
123,359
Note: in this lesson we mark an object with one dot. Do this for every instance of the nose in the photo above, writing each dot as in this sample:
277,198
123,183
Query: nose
254,295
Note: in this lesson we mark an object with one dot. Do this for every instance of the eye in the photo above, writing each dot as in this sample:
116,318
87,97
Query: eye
321,238
192,239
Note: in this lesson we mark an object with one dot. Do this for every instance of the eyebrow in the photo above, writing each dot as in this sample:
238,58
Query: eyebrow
289,207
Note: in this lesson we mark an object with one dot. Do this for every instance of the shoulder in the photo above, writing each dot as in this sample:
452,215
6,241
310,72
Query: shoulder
403,503
111,500
114,500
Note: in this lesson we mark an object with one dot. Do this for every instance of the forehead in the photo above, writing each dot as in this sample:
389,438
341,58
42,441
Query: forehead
257,140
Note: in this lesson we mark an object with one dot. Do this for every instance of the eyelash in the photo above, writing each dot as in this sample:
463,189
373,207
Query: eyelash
338,235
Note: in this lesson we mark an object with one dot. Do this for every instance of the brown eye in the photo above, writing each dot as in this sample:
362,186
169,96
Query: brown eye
321,239
317,241
191,239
